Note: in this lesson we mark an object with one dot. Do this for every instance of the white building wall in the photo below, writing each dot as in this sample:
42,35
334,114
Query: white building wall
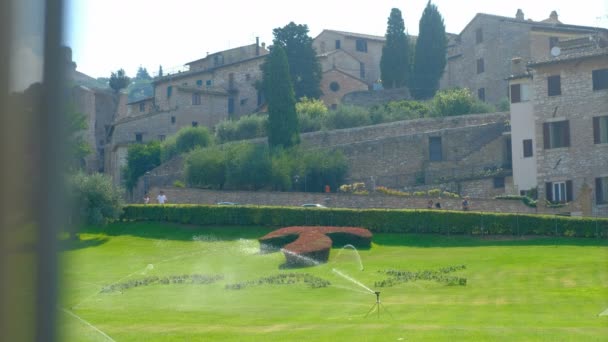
522,128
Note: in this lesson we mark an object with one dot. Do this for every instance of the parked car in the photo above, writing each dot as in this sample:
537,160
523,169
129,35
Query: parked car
227,203
313,205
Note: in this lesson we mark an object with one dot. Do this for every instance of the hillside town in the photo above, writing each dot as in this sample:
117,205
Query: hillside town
550,143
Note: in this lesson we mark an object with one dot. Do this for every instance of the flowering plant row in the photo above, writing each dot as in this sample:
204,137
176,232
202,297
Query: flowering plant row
199,279
282,279
440,276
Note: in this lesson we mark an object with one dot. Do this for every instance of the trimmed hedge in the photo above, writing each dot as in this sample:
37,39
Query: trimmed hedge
376,220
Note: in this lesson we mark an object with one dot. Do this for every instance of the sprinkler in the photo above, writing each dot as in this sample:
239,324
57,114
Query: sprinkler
377,306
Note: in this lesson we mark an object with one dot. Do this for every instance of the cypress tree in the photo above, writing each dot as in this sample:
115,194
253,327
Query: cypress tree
430,54
395,61
282,117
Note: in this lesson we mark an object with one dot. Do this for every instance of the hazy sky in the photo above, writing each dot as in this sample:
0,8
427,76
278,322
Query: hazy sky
106,35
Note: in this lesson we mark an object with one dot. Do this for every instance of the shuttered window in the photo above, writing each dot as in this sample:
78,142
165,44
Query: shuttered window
556,134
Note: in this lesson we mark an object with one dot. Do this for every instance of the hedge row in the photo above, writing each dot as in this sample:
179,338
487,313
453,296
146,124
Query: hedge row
376,220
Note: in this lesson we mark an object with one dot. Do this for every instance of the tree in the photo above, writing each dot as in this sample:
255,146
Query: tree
160,71
304,67
282,117
140,159
430,54
142,74
119,80
395,61
94,200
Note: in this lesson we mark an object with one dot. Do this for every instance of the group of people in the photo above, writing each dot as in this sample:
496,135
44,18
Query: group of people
437,205
160,199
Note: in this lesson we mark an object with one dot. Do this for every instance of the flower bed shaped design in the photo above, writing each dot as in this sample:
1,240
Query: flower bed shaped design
309,245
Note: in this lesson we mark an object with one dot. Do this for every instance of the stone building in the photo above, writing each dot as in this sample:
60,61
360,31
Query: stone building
363,48
214,88
568,102
479,58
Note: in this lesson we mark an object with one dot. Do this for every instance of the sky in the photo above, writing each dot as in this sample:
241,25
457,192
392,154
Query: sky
106,35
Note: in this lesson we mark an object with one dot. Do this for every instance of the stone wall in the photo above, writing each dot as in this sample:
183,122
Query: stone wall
394,154
376,97
335,200
342,84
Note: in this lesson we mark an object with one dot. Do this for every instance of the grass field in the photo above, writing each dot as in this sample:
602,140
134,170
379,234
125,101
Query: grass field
517,289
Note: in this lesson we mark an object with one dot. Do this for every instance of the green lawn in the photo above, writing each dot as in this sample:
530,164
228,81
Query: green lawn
517,289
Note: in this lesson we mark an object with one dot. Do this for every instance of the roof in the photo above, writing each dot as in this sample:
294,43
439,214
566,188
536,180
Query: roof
225,51
354,35
547,25
141,100
202,71
582,54
346,74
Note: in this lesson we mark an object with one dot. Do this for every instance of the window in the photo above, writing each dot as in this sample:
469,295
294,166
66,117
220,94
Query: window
334,106
139,137
173,120
553,42
231,105
334,86
481,94
554,86
169,91
196,99
478,36
499,182
362,70
247,77
528,151
600,130
243,102
601,190
142,106
559,192
162,137
208,83
231,80
556,134
338,44
435,149
480,66
600,79
199,83
218,60
520,93
361,45
194,123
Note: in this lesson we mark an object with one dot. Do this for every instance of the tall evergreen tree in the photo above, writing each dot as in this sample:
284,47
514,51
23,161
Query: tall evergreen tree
119,80
142,74
160,71
430,54
282,117
304,67
395,61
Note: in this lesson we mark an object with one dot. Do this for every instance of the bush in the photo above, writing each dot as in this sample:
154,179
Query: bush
399,110
479,107
347,117
94,199
168,148
312,108
206,168
451,102
247,127
189,138
140,159
504,105
316,169
376,220
248,166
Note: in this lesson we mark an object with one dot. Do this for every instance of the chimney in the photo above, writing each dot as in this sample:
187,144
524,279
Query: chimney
518,67
553,16
519,15
257,46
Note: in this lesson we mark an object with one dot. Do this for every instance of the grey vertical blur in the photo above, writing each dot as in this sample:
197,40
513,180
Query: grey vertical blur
31,145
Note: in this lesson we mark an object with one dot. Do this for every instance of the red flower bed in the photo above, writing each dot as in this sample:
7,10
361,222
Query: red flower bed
305,246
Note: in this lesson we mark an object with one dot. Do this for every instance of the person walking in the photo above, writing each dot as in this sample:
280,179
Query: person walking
161,198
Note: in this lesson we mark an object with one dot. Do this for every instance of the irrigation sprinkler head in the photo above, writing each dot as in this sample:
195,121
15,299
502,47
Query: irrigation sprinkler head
377,293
